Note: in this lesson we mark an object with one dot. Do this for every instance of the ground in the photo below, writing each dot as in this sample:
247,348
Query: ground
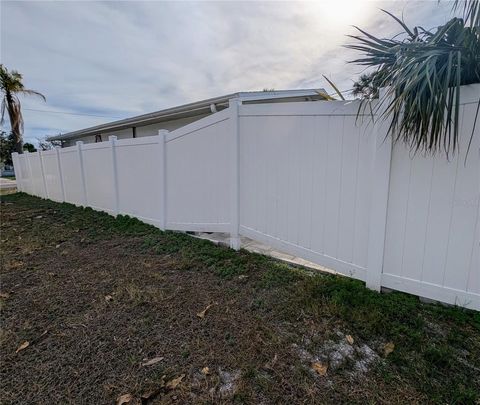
114,310
7,185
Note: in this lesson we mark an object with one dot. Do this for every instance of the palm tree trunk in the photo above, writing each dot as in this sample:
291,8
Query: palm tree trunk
14,123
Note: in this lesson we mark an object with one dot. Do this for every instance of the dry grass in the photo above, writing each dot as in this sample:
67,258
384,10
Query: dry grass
96,296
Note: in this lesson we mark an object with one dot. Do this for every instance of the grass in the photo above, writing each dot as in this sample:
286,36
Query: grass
267,322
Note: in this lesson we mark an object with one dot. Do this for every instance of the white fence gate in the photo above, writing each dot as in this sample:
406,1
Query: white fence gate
302,177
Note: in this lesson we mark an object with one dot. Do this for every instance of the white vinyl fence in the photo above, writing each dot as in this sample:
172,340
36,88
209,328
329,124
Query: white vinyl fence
307,178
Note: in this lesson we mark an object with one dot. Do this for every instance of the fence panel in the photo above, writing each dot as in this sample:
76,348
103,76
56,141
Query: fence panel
305,181
52,175
432,236
99,177
35,166
72,175
198,175
138,178
22,174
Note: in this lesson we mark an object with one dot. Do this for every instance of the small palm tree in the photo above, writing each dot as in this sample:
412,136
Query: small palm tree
11,86
423,71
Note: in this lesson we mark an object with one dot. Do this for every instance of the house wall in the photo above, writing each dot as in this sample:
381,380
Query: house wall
145,130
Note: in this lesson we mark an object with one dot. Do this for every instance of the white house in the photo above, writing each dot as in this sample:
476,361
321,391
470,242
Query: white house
176,117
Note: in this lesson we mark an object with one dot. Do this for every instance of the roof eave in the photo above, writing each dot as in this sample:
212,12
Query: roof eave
183,111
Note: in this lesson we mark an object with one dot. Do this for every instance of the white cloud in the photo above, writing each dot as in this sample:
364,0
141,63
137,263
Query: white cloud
118,59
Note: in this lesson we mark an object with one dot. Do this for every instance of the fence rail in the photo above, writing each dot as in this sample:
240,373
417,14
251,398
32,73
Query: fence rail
307,178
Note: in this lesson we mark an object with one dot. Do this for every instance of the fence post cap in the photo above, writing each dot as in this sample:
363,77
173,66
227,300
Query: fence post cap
234,101
163,131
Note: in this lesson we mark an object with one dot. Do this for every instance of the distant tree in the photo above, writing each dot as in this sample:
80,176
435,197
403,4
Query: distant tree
7,146
367,86
11,86
44,144
29,147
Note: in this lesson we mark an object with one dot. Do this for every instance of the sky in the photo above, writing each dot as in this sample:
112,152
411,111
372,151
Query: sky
100,61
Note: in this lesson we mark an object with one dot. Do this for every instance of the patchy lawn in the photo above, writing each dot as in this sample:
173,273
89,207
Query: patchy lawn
114,307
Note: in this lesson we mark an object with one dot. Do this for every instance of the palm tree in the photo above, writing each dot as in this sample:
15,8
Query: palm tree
11,86
366,87
423,71
471,11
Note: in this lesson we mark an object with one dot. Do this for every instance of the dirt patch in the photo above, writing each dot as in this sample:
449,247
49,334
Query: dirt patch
355,358
110,308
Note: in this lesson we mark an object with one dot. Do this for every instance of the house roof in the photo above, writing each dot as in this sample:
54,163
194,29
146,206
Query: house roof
193,109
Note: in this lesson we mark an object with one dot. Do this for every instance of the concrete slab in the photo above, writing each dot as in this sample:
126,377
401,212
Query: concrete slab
7,184
257,247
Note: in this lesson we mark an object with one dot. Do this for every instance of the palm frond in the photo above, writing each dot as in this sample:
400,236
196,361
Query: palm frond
325,96
339,93
33,93
470,10
2,111
423,71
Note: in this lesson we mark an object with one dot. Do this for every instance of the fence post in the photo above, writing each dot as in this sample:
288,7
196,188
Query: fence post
17,170
30,172
233,105
42,169
113,143
379,205
82,172
60,174
162,144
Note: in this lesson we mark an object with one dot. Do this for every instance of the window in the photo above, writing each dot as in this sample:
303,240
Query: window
98,138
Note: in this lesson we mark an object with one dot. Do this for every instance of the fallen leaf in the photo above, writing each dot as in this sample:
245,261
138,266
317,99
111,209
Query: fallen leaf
23,346
152,361
4,295
320,368
15,264
57,246
201,314
43,334
124,399
108,298
388,348
349,339
74,325
205,371
172,384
